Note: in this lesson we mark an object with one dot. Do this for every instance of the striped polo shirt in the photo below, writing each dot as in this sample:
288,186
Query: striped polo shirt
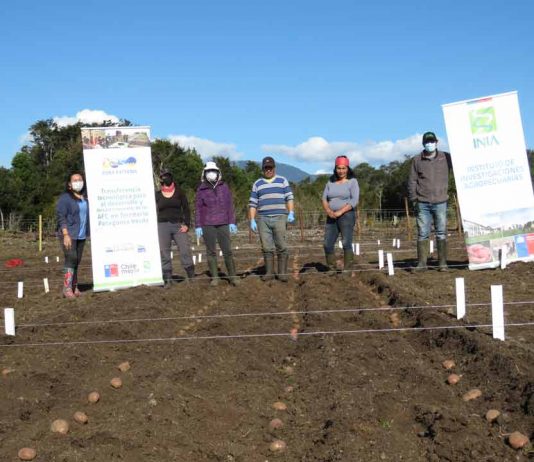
269,197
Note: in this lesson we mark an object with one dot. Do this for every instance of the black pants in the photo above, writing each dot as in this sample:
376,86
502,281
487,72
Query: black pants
167,233
217,233
73,256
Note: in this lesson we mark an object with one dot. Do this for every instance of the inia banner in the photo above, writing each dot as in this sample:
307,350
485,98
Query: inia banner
122,209
492,179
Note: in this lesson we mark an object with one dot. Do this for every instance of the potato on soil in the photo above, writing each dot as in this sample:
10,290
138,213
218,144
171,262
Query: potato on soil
279,406
27,454
453,379
275,424
116,382
472,394
124,366
492,415
277,446
517,440
80,417
93,397
448,364
60,426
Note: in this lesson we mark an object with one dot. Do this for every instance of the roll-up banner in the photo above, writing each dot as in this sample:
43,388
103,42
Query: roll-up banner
492,177
122,208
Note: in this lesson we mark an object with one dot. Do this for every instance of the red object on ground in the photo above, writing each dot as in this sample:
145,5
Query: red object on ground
13,263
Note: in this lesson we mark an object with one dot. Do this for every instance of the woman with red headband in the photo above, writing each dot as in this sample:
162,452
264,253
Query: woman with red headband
340,198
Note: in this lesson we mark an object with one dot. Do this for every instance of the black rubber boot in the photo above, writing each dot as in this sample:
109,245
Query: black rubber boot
348,260
442,255
423,248
167,279
269,267
282,267
230,266
214,271
190,271
331,263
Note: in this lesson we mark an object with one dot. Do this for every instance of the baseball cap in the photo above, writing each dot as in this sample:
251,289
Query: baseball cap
268,162
429,137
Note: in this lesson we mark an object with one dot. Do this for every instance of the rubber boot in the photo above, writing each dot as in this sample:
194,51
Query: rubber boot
282,267
167,279
269,266
230,267
190,272
331,263
423,248
214,271
442,255
67,283
75,289
348,260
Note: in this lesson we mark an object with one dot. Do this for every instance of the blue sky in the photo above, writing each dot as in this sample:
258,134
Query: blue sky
300,80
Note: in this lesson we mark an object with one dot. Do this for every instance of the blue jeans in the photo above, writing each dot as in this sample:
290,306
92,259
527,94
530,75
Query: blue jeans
344,225
426,212
272,230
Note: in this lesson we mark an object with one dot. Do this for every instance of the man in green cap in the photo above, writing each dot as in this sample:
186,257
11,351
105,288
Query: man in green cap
428,186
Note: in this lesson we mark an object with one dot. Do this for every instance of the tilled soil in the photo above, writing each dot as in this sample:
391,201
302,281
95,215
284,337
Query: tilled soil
355,358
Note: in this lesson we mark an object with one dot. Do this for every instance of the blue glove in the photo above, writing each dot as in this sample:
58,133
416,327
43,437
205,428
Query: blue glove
291,217
233,228
253,225
198,232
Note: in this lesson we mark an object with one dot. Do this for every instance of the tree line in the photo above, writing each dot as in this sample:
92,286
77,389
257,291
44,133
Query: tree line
39,172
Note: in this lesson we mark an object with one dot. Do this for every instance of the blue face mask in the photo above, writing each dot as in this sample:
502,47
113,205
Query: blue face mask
430,147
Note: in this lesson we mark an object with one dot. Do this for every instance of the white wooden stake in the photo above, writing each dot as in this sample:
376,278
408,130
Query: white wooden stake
353,247
220,253
460,298
20,293
172,255
357,248
199,257
394,242
57,259
46,286
380,259
194,259
431,246
46,260
389,256
378,241
503,257
9,321
398,243
497,312
237,247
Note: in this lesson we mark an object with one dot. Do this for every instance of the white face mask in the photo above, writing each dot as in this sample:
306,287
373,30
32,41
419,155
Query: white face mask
430,147
212,176
77,186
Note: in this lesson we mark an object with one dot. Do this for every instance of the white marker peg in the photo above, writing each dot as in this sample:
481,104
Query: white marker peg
398,243
194,259
394,244
497,312
380,259
353,247
172,255
57,259
46,260
199,257
46,286
220,253
357,248
503,256
431,246
20,293
378,241
389,256
460,298
9,321
237,247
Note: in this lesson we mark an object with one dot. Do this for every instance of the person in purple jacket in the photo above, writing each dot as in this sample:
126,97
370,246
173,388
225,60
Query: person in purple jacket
215,220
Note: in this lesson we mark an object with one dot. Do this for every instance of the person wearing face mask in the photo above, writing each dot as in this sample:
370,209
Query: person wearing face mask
340,198
271,203
215,219
174,220
72,213
428,185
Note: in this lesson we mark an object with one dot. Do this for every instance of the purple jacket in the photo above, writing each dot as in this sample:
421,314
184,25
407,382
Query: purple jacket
214,205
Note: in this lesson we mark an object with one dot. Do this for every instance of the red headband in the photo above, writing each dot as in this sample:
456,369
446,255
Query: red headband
342,160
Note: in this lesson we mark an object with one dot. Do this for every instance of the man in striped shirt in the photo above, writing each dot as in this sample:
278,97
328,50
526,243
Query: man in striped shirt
271,204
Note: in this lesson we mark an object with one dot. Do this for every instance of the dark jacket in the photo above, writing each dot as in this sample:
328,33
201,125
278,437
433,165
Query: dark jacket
68,215
214,205
429,178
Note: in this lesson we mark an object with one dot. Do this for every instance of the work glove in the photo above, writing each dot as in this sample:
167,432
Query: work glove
233,228
198,232
253,225
291,217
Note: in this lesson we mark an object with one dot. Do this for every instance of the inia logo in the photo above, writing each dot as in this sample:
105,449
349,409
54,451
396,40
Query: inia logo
483,122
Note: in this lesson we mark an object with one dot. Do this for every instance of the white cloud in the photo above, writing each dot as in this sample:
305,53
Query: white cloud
207,148
88,116
319,150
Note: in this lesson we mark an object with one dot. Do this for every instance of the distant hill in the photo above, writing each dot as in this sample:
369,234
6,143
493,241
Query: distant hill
293,174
